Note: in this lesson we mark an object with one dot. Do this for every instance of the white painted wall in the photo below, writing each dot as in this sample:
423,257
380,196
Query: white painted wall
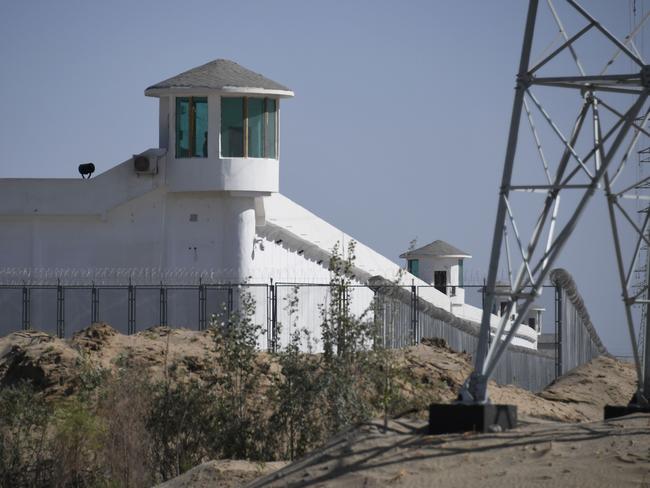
217,217
211,232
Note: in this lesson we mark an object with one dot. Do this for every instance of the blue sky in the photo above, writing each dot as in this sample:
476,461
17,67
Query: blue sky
397,131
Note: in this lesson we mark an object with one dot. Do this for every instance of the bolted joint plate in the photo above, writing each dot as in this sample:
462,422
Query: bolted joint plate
645,76
524,80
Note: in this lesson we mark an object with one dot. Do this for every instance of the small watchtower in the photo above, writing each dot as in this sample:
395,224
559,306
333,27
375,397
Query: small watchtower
438,263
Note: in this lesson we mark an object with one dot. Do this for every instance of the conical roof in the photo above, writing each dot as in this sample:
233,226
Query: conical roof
438,249
220,74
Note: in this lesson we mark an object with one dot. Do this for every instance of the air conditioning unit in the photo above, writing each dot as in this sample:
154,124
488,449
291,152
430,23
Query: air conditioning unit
145,165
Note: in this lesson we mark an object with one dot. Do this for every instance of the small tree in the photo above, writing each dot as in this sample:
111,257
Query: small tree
180,425
24,453
240,411
75,443
298,390
384,370
346,340
125,406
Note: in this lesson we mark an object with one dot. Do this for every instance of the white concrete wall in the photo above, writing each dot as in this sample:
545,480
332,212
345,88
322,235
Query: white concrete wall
189,231
127,221
203,232
227,174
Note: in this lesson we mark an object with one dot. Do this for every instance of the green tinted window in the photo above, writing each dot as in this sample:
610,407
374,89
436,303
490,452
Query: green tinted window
232,127
191,127
200,106
271,125
255,127
414,266
182,127
249,127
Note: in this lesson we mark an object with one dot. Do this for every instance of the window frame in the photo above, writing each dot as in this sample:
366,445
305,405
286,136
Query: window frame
191,126
265,127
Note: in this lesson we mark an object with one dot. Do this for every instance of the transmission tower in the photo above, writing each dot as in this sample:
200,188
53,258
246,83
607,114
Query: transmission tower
612,108
643,267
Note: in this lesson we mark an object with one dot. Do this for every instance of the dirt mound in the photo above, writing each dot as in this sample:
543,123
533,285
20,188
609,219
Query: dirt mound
588,388
93,338
54,365
430,372
40,359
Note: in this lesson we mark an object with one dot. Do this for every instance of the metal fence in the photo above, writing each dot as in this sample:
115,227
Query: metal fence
521,366
398,313
578,342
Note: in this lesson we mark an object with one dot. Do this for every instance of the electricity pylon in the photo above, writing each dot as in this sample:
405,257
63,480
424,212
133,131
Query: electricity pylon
612,113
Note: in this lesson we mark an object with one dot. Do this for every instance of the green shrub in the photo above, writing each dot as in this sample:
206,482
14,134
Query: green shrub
124,406
241,419
181,426
24,453
298,390
75,444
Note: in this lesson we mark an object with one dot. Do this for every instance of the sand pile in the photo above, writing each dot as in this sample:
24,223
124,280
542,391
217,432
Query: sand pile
578,396
54,365
40,359
431,371
586,389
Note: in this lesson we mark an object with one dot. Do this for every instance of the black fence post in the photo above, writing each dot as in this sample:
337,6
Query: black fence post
131,309
268,317
414,315
26,308
376,318
230,305
94,304
274,316
60,310
163,305
558,330
203,321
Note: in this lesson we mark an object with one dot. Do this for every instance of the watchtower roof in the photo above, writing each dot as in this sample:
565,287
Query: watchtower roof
220,74
438,249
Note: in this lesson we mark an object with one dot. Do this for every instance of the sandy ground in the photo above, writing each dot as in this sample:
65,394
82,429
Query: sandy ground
594,454
224,474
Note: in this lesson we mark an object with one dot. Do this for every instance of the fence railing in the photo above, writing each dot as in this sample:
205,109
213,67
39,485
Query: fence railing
401,317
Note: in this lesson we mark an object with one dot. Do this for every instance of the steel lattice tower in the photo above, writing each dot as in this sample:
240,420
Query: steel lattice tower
612,112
